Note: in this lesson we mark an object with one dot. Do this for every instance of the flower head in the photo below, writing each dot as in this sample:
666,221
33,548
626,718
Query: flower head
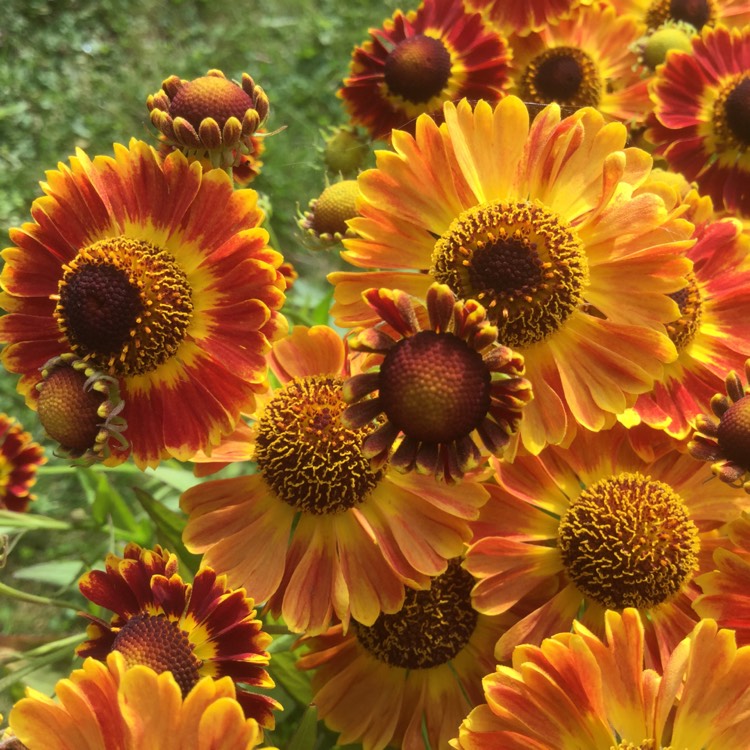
442,382
203,629
711,334
110,704
345,151
417,61
576,531
697,14
541,224
726,442
701,117
19,458
210,117
726,590
79,407
316,530
586,691
419,668
583,60
156,274
522,18
327,216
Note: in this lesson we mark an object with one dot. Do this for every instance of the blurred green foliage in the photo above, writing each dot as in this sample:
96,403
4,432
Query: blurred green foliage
76,73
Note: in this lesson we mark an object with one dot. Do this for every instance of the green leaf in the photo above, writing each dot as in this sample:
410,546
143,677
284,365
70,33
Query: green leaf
31,661
180,479
169,526
12,520
307,731
60,573
293,680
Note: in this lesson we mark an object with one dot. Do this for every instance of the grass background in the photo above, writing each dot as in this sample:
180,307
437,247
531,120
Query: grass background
76,73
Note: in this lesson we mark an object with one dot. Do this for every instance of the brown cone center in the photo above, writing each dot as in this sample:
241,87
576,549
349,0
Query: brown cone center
418,68
210,96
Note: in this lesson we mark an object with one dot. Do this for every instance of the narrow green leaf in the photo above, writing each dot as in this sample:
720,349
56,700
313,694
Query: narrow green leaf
307,731
294,681
41,657
61,573
11,520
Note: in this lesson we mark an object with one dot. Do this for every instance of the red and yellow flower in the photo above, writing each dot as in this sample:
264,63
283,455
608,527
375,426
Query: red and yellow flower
584,60
20,456
580,691
157,274
655,13
521,18
701,118
420,59
203,629
576,531
316,530
409,678
443,384
726,590
712,333
114,706
540,224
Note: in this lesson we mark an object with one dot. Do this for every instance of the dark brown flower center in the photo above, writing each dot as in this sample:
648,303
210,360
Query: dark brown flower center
306,455
695,12
430,629
737,111
521,261
158,643
682,331
734,433
210,96
434,387
124,305
418,68
68,413
628,541
561,74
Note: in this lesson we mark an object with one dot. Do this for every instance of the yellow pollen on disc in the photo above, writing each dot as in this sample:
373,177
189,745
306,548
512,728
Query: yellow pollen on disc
566,75
628,541
682,331
521,261
124,305
336,204
159,643
306,455
430,629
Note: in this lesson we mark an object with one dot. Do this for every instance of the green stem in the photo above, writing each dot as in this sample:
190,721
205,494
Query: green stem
12,593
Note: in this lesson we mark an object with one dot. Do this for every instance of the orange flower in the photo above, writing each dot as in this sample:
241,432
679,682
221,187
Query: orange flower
540,224
578,691
316,530
409,678
575,531
108,705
